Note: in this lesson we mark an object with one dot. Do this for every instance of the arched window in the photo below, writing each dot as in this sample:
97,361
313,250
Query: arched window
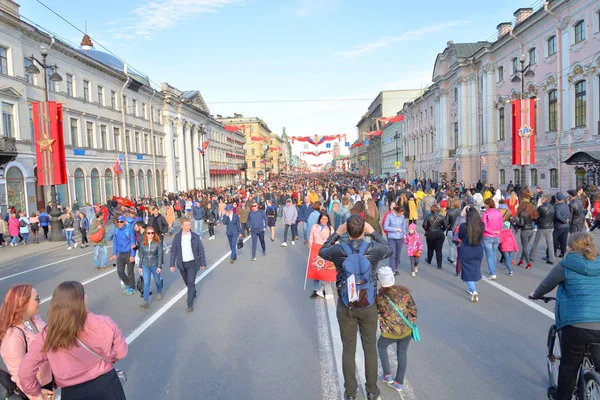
580,31
132,183
141,189
580,103
15,188
95,181
158,184
80,186
150,183
108,183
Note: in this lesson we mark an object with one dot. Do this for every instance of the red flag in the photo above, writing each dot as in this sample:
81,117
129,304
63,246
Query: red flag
398,118
523,132
319,269
205,144
256,138
50,144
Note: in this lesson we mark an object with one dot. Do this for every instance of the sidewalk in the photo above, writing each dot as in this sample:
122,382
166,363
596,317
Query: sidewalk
9,254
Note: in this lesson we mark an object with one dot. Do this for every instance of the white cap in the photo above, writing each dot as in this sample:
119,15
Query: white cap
385,276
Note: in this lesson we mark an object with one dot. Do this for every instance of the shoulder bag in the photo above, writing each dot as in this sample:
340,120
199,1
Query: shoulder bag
121,374
415,331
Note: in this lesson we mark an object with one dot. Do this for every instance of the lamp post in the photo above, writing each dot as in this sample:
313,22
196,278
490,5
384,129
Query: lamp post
31,69
525,72
202,129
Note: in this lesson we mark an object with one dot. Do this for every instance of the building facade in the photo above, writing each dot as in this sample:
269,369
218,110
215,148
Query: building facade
461,127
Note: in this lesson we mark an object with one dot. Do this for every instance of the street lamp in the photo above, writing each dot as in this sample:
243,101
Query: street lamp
32,69
525,72
202,129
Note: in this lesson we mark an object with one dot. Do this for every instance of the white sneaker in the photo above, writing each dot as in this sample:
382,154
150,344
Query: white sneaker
413,274
284,244
470,293
293,243
69,248
492,277
122,284
416,269
320,293
329,296
75,244
474,297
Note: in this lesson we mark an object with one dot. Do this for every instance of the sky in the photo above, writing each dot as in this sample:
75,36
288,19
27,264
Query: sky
311,66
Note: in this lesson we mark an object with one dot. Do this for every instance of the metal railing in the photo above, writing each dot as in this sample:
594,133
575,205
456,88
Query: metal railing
8,145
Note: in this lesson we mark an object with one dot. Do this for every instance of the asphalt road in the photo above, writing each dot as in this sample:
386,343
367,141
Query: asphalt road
255,334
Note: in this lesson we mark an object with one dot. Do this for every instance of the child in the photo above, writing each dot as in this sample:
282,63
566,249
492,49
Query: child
508,245
414,248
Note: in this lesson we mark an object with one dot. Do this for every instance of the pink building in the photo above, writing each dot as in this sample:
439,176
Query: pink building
461,127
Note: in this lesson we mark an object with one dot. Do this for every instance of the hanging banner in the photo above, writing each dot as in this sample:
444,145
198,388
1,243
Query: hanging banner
523,132
373,133
319,269
315,153
316,139
50,143
391,120
235,128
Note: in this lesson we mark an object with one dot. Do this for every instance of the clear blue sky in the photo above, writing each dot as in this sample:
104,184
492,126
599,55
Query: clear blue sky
267,50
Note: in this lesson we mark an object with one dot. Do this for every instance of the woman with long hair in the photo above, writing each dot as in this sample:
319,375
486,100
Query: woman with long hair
394,226
34,224
372,216
211,219
512,203
492,222
20,323
435,225
170,217
13,229
526,214
358,209
68,224
319,234
151,261
413,210
81,348
470,234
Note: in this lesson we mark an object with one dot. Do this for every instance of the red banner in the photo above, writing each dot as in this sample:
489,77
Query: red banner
50,143
523,132
316,139
319,269
373,133
315,153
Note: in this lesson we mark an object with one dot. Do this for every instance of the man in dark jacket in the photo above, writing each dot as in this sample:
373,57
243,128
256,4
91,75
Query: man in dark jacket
187,254
257,222
159,223
304,212
365,319
199,213
561,224
233,229
577,223
545,227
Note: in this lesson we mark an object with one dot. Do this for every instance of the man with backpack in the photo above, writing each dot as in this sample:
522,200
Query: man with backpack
356,265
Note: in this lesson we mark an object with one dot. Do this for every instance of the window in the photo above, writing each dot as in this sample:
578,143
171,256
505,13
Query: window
161,146
455,135
134,106
532,56
146,144
3,61
502,124
455,94
551,46
580,31
113,99
517,176
103,143
534,177
31,131
553,178
74,141
116,144
27,63
158,112
515,65
89,130
253,152
502,177
86,91
128,141
124,105
500,74
70,85
144,111
137,143
253,164
100,95
552,110
7,120
580,103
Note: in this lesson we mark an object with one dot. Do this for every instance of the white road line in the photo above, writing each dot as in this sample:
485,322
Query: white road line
522,299
47,299
146,324
336,340
46,266
328,369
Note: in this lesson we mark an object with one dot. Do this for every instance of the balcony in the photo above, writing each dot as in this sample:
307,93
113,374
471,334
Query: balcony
8,150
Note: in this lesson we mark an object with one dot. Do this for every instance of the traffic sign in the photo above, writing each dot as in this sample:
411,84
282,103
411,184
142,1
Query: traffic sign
397,164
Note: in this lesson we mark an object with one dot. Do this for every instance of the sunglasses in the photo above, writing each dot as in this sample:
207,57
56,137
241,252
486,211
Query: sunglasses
254,205
150,233
120,222
37,298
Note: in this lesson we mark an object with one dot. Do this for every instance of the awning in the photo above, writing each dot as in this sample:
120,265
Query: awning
584,157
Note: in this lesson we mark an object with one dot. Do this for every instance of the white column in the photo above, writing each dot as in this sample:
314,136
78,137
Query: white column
473,111
489,117
463,123
182,156
171,160
189,157
444,121
565,89
197,157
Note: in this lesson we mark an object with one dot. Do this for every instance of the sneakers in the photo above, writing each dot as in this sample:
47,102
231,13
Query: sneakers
328,296
475,297
314,294
68,248
397,386
416,269
510,273
320,293
469,293
129,292
413,274
492,277
159,296
293,243
190,308
75,245
451,261
144,305
284,244
387,379
122,284
550,262
253,259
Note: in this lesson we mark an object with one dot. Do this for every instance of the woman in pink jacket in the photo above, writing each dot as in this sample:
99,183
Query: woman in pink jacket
319,233
492,221
508,246
81,348
13,229
19,326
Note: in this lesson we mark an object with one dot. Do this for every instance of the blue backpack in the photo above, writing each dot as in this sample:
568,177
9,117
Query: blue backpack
357,264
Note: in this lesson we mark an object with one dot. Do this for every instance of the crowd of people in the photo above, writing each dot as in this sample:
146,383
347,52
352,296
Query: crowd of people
360,224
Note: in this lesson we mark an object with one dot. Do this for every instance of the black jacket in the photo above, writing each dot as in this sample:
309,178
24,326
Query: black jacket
378,250
197,249
577,215
546,216
151,255
451,216
435,222
524,221
159,223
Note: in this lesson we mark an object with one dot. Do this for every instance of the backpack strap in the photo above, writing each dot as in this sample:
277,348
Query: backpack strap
363,248
347,249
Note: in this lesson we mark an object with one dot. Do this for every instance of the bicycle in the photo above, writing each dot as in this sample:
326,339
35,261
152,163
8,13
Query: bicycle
588,380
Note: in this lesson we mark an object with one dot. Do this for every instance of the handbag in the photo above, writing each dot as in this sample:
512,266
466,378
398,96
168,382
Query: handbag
240,243
415,330
120,373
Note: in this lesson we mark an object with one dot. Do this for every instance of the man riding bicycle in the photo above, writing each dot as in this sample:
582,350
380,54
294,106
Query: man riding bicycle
577,310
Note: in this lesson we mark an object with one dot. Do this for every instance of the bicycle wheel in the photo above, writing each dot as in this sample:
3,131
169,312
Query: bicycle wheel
592,385
553,355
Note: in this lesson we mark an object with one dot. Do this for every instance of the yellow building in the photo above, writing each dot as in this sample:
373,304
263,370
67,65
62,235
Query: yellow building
277,154
258,144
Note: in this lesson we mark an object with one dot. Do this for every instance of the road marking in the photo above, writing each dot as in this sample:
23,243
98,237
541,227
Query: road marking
335,340
47,299
146,324
522,299
45,266
328,369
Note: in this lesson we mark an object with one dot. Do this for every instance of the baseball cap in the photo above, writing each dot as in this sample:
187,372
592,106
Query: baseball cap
121,218
560,196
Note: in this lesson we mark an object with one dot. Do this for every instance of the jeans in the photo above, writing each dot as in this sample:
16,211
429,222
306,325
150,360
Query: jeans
69,235
198,226
547,235
526,236
426,214
365,321
128,277
396,245
14,240
560,236
25,237
435,241
305,230
572,345
84,239
211,229
414,263
188,273
232,246
489,245
294,232
100,262
318,285
451,246
256,236
401,353
471,285
148,273
508,259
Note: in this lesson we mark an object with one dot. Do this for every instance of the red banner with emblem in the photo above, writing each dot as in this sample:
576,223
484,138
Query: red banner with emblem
50,143
523,132
317,268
